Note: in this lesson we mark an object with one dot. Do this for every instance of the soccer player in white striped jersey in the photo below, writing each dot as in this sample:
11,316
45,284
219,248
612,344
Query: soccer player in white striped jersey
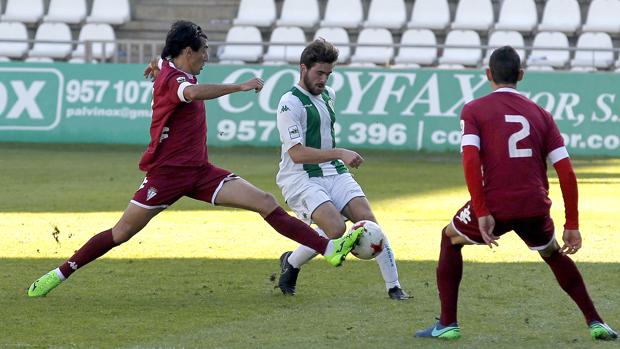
313,175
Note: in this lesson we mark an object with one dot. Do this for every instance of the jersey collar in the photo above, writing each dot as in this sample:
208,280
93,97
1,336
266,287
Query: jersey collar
507,89
186,74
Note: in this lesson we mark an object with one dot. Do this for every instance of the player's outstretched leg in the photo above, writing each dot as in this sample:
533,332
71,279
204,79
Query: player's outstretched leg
439,331
338,249
288,275
602,331
43,285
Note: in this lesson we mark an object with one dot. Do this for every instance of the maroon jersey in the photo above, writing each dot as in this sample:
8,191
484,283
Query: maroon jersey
515,137
179,127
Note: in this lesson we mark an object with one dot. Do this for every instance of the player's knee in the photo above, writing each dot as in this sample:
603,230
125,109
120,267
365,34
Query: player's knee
267,204
549,250
335,231
122,232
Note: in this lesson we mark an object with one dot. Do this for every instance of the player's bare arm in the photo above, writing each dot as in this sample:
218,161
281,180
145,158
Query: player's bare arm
301,154
211,91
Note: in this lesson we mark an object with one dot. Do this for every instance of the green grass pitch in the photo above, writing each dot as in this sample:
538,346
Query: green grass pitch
203,277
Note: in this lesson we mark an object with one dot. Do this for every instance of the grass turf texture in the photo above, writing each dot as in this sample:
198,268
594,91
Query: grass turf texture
203,277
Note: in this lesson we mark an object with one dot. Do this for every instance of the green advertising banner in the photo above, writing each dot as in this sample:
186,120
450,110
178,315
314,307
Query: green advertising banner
376,108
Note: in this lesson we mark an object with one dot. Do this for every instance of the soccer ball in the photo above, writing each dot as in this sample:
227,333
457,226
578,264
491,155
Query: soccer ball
371,242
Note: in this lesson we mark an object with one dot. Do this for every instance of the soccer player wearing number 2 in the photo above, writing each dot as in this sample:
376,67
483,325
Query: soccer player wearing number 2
313,176
506,141
177,164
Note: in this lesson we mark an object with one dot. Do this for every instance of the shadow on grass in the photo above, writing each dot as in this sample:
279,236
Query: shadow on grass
207,303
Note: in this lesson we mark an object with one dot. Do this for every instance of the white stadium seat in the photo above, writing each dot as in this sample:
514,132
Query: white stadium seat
417,55
285,53
13,31
591,58
473,15
52,32
519,15
374,54
561,15
244,53
260,13
99,50
4,59
603,16
299,13
340,38
115,12
430,14
343,13
39,60
390,14
26,11
502,38
464,56
546,57
67,11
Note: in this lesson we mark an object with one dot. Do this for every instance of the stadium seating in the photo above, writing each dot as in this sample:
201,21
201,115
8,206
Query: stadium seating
4,59
343,13
390,14
13,31
603,16
503,38
52,32
473,15
591,58
461,56
374,54
279,53
99,50
417,55
67,11
115,12
243,53
336,36
39,60
260,13
561,15
546,57
519,15
430,14
300,13
25,11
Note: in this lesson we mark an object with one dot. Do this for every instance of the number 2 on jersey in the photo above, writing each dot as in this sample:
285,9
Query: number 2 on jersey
517,136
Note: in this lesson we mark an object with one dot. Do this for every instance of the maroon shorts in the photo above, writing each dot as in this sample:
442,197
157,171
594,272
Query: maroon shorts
536,232
162,187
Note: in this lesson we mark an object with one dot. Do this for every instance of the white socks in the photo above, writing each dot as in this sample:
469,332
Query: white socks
385,259
303,254
387,265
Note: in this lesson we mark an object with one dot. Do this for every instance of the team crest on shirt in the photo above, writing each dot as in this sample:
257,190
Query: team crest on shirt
462,127
181,79
293,132
151,193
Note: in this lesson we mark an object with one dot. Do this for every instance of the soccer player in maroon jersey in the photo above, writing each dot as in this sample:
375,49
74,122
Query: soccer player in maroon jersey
506,141
176,163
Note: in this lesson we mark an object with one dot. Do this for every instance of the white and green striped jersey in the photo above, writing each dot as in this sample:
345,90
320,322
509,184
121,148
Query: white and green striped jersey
309,120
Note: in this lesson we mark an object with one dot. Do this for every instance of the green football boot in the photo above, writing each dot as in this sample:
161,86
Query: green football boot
44,284
343,246
602,331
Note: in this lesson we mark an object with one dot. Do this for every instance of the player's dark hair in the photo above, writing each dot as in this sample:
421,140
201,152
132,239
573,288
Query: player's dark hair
319,51
505,65
183,34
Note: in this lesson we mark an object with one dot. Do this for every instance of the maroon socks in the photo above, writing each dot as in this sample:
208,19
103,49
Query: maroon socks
296,230
94,248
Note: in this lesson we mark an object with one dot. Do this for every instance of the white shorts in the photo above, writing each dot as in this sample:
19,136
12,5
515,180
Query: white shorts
339,189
